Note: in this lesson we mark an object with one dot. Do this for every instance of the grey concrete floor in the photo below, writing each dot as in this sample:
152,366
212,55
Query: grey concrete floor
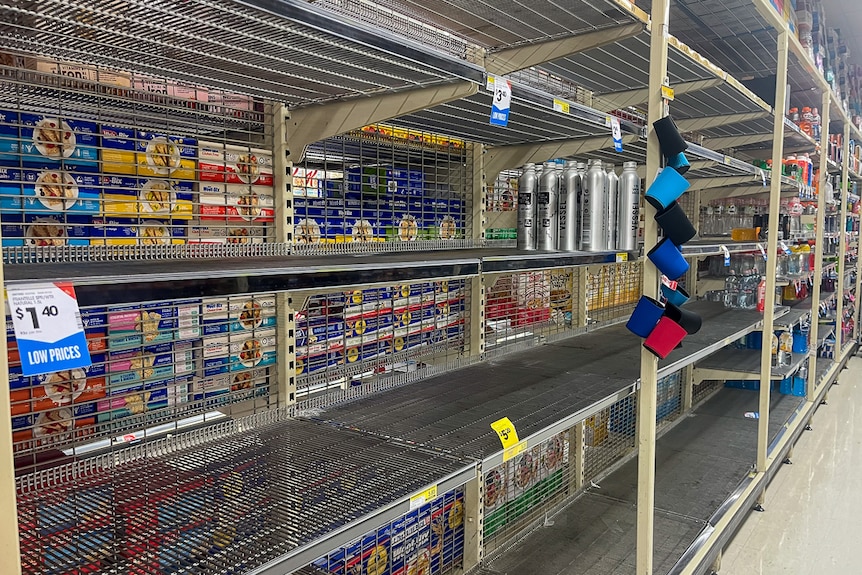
812,524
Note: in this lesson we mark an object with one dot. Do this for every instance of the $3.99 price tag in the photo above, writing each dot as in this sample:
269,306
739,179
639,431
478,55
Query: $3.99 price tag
48,328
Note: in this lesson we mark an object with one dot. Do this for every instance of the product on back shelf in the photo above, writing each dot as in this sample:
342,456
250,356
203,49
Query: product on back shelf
249,314
147,324
533,293
138,367
48,141
134,232
249,203
248,350
56,191
77,388
147,197
234,164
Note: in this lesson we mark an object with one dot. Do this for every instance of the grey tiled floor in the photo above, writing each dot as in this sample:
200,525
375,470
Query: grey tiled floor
813,515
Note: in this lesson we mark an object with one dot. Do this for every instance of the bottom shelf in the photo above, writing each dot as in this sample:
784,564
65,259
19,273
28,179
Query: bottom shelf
700,465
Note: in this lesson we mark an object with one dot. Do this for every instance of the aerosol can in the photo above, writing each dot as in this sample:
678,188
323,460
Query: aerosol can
593,221
527,208
570,190
628,207
546,201
611,208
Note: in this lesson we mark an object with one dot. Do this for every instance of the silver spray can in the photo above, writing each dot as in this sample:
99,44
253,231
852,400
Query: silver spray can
593,208
570,191
611,208
628,208
547,201
527,208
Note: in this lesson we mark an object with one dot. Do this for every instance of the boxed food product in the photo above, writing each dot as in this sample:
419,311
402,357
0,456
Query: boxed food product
249,203
215,314
11,201
43,230
205,232
215,355
368,323
131,232
147,197
189,320
171,88
80,72
533,293
60,191
47,141
136,366
77,388
51,427
130,326
235,165
118,150
363,351
12,229
255,313
211,386
249,349
184,358
162,156
212,201
134,401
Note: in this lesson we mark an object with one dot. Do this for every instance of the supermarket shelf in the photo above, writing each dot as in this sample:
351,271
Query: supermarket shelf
699,463
742,363
711,248
798,312
104,283
542,390
306,488
286,50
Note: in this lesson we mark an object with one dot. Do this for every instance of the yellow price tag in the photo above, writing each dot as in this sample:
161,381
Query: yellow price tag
622,257
506,431
421,499
667,93
516,449
561,106
728,160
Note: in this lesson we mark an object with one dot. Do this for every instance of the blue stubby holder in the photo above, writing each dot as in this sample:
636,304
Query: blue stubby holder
644,318
679,163
676,296
666,188
668,259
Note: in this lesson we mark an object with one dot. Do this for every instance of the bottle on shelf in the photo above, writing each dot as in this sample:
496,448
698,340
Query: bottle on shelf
593,220
611,202
628,209
785,348
794,115
570,191
547,225
527,208
815,124
774,349
805,120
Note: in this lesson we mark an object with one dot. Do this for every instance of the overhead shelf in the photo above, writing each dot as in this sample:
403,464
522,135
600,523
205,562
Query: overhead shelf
542,391
116,282
290,491
286,50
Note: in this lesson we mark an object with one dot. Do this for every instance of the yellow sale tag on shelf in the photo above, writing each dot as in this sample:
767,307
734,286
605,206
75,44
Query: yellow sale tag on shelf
667,93
516,449
506,431
421,499
727,160
622,257
561,106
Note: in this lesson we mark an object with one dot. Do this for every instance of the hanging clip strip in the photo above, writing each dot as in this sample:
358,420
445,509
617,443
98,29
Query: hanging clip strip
726,256
762,251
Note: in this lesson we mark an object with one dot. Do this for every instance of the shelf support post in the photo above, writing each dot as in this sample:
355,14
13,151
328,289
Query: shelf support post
771,251
477,317
282,179
841,263
820,223
10,553
476,157
647,399
577,457
474,528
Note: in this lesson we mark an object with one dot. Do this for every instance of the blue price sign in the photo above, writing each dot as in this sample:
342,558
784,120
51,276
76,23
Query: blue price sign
502,102
48,328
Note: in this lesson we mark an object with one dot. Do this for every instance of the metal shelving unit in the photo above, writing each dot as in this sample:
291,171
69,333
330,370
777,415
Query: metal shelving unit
317,479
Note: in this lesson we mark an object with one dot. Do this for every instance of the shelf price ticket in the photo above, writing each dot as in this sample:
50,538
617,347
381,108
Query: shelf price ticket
48,327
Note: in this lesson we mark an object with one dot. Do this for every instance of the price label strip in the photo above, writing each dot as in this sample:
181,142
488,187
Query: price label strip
508,435
48,328
421,499
502,102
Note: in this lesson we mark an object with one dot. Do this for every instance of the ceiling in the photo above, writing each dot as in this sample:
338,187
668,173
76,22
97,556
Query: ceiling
846,15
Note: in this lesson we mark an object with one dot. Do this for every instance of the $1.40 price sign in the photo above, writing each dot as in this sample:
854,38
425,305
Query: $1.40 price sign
48,328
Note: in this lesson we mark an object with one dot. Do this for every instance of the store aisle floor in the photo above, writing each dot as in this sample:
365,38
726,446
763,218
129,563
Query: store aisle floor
813,507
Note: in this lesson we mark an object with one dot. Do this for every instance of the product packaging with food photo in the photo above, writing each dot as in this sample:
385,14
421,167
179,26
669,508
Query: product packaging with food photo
48,141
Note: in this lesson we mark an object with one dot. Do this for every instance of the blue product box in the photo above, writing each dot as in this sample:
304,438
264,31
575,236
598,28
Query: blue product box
59,230
131,403
53,191
363,352
215,354
211,386
10,190
249,314
12,228
367,324
179,162
48,141
215,316
10,137
248,350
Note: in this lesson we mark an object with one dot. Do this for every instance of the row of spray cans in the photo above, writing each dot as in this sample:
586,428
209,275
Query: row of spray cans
568,207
